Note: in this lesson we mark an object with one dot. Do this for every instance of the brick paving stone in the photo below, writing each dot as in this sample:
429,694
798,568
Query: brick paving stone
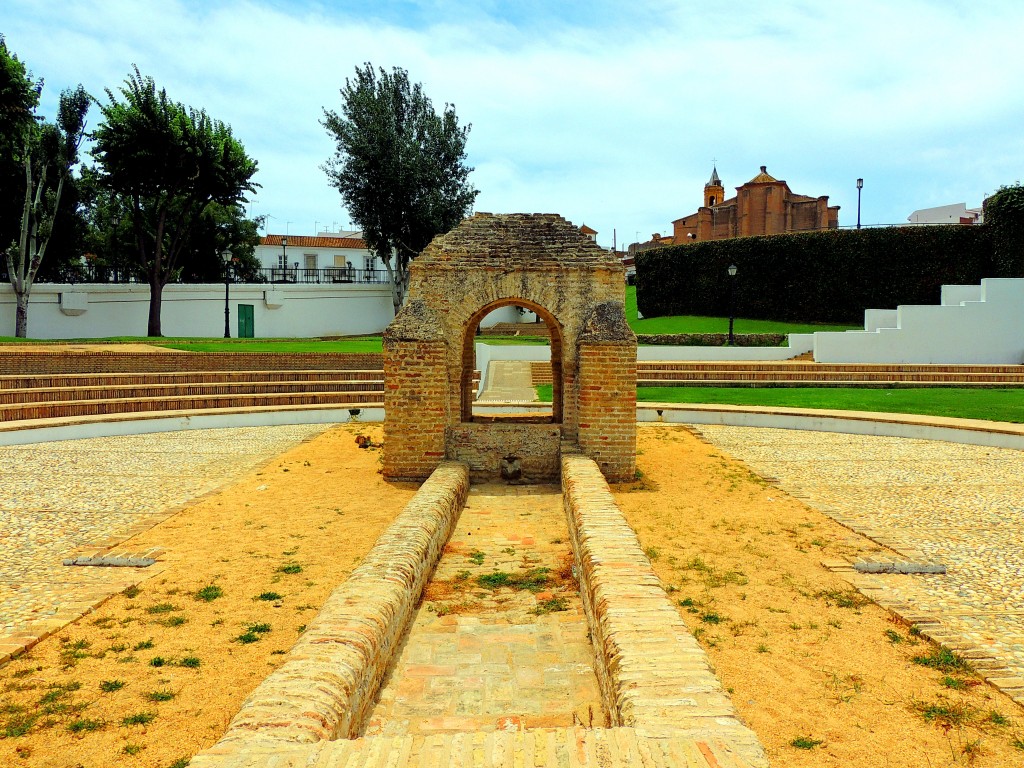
960,505
494,665
60,497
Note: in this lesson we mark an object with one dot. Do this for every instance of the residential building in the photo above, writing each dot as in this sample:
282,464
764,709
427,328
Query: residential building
327,257
956,213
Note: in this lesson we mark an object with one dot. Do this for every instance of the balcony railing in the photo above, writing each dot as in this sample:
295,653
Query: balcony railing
324,275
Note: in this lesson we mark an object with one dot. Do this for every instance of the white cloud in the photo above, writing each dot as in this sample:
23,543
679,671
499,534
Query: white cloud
607,113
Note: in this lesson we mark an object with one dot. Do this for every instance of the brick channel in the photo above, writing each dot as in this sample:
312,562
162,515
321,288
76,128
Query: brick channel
485,657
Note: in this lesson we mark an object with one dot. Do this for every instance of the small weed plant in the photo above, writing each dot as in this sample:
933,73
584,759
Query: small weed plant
209,593
805,742
944,660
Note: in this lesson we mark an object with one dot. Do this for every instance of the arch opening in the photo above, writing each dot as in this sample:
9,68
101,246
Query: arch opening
467,391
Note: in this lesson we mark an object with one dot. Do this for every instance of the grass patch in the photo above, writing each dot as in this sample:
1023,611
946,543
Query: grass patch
209,593
533,579
944,660
269,596
351,346
172,621
109,686
805,742
953,402
139,718
160,695
290,568
946,714
843,598
954,683
145,645
553,605
190,662
85,725
18,724
698,324
161,608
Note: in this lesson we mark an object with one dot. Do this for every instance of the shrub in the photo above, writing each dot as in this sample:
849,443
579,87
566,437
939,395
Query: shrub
828,276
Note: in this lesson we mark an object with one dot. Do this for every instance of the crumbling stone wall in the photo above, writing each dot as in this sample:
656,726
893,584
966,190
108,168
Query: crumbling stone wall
538,261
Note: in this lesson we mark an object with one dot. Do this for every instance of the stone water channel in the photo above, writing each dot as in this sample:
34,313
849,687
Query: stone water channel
481,657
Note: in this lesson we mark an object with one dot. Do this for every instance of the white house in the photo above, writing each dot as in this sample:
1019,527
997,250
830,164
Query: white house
328,257
956,213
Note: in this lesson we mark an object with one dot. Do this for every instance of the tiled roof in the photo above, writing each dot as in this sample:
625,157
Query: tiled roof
587,230
762,177
301,241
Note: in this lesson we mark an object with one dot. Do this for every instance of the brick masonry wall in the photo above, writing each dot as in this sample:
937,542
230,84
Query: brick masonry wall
56,362
482,446
607,407
331,677
415,397
653,674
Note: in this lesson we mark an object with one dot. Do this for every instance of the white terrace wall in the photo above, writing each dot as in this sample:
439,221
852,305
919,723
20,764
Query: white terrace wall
87,311
979,325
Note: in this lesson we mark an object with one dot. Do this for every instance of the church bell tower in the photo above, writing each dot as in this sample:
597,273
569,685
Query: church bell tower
714,192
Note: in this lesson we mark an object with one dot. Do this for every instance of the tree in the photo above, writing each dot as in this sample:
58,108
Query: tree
170,163
1004,216
399,166
44,154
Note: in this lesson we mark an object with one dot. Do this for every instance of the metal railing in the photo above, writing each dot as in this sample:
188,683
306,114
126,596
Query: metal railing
322,275
325,275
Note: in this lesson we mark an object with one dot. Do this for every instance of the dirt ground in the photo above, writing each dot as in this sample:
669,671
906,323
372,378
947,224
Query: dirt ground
151,678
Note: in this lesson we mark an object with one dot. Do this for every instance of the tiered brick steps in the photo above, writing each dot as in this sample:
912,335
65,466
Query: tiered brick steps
810,374
516,329
27,397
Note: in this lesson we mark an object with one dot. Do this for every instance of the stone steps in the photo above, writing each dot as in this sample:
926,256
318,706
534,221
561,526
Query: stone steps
55,396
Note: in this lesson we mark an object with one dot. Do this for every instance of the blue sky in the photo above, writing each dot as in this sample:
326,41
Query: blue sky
608,113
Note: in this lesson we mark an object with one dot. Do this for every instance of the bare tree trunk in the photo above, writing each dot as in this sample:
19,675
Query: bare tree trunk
21,316
156,291
399,285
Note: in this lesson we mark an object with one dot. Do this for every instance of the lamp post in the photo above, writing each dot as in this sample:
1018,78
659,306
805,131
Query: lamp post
226,256
284,256
860,186
732,279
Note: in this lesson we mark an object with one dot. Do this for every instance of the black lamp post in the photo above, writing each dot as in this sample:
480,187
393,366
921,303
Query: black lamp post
284,256
731,269
860,186
226,256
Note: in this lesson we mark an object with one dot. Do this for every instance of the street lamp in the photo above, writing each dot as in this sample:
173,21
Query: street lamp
284,256
731,269
226,256
860,186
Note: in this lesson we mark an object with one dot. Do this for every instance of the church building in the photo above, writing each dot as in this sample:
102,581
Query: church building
763,206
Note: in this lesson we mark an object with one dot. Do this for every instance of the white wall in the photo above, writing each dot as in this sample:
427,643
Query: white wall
294,310
979,326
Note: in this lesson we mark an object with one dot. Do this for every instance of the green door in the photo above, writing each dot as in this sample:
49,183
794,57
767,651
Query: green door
245,321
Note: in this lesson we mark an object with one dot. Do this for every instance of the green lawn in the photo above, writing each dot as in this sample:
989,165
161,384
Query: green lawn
355,345
992,404
695,324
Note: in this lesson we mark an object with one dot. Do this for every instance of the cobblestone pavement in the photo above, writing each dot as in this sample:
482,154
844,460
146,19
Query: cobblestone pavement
959,505
478,659
59,498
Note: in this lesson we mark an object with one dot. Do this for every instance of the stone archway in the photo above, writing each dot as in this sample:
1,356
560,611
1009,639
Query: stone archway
542,262
469,353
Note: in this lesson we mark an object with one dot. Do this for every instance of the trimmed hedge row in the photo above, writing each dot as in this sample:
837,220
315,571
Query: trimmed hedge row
828,276
713,339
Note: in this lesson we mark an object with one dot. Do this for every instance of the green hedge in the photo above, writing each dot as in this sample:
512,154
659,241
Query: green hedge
828,276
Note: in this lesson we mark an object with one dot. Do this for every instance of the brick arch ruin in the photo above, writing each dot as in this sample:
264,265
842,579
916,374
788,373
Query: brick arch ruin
541,262
469,354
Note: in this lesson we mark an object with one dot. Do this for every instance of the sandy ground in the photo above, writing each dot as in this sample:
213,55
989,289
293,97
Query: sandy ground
801,655
43,349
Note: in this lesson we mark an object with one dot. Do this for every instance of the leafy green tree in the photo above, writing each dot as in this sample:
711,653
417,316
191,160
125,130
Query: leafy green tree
170,164
222,228
1004,215
399,166
44,154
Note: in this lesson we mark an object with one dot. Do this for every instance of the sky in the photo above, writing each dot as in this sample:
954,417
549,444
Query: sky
610,114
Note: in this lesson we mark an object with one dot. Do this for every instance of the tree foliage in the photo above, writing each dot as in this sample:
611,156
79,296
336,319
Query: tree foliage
36,165
399,166
1004,215
169,164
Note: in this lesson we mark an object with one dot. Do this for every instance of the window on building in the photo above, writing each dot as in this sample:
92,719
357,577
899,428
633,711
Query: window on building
309,260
